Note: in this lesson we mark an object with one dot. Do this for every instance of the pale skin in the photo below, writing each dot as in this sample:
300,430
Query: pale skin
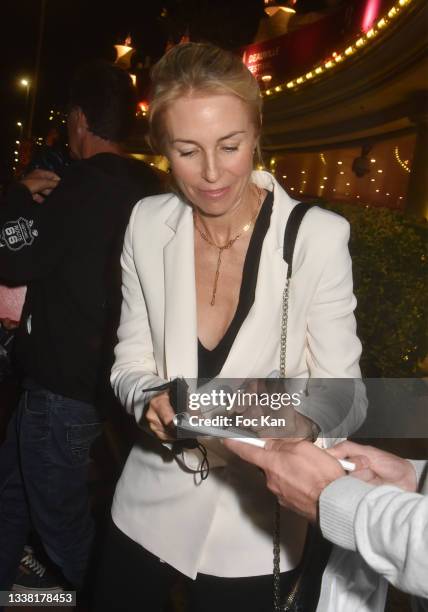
210,143
40,183
298,473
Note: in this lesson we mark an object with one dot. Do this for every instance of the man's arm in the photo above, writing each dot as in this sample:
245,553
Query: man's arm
387,524
296,472
380,515
30,231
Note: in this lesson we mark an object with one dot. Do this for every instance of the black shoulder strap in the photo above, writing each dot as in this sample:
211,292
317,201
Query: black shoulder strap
291,231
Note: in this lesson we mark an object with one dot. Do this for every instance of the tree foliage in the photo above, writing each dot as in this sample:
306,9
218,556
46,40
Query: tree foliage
389,254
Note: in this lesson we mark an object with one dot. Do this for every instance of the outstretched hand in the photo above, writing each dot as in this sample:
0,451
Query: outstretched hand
376,466
296,473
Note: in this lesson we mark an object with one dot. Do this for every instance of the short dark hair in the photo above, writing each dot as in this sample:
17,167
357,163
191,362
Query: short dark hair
105,94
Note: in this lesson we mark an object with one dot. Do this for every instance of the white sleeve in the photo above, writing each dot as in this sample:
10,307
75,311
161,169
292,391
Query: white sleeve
134,368
334,350
386,525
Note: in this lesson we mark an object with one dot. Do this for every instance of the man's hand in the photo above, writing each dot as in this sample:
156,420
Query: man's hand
377,467
295,473
40,183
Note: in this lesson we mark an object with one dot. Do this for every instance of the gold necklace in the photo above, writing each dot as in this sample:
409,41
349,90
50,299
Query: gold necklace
228,244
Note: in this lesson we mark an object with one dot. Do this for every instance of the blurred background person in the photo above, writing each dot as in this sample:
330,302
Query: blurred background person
62,236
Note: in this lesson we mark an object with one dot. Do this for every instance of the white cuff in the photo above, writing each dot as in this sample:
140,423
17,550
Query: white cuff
338,506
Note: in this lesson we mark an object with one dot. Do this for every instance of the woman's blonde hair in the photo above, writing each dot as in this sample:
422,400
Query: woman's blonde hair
195,68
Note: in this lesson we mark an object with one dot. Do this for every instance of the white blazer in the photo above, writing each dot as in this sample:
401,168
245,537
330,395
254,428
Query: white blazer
223,526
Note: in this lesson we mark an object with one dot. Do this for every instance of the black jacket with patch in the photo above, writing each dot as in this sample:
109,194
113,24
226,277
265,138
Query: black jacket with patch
67,250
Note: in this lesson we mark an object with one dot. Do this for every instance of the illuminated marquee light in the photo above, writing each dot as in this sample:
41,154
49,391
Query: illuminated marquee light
400,161
338,57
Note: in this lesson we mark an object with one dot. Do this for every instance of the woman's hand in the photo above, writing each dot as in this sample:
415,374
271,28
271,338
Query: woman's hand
159,417
377,467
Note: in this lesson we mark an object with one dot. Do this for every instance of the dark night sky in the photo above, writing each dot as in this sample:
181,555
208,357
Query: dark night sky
78,30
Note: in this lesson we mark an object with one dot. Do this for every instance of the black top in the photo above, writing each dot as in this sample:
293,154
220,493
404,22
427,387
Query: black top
210,363
67,251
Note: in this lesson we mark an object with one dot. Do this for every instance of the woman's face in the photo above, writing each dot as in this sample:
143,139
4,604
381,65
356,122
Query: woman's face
210,142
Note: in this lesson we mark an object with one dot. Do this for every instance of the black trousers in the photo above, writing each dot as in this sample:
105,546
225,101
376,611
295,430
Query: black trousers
131,579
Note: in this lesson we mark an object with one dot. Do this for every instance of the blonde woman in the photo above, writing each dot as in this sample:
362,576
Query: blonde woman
203,276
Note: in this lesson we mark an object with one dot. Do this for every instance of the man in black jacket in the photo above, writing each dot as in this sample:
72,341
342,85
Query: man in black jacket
66,249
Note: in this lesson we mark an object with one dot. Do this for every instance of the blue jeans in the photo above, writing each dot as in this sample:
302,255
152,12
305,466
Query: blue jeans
43,482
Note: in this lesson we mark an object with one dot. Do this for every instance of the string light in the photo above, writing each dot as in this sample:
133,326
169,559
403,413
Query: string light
339,56
323,159
400,161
